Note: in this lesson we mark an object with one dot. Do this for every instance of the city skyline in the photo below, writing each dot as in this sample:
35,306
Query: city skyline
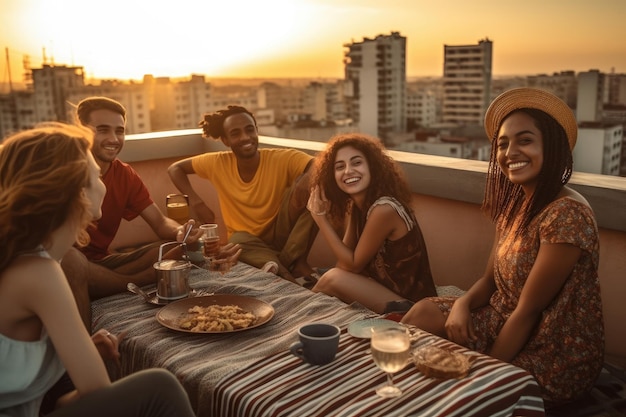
304,38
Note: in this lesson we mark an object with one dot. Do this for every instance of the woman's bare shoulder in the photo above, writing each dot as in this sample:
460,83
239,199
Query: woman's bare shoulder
34,275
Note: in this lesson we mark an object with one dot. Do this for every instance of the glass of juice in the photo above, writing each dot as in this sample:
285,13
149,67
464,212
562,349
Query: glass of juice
177,207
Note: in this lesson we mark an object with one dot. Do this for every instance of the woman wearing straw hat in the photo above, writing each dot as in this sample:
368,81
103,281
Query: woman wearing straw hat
538,303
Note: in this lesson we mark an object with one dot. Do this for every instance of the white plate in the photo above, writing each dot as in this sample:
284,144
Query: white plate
363,328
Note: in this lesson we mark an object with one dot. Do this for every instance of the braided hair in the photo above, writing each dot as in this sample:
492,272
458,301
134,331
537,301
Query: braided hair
504,201
212,124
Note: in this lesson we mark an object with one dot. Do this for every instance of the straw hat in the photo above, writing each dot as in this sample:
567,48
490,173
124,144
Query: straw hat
533,98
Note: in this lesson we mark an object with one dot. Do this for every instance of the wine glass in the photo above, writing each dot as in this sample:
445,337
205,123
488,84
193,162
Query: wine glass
390,351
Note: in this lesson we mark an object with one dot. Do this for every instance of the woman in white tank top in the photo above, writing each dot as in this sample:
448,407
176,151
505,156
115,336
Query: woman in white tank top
50,191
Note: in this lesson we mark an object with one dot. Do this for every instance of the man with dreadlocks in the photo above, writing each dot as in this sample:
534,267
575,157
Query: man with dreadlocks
262,193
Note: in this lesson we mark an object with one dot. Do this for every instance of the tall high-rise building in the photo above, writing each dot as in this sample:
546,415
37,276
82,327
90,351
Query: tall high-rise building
375,75
467,82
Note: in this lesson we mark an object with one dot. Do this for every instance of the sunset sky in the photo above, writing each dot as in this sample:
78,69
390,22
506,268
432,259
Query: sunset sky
126,39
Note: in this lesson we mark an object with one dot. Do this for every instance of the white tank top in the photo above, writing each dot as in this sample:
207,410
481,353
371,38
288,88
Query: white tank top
27,370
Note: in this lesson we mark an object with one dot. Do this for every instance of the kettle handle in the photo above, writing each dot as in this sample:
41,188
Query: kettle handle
167,244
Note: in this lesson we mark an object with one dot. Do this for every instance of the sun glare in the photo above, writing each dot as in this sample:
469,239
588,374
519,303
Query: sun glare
127,39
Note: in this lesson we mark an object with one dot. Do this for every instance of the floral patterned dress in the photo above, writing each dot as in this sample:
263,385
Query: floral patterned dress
402,265
565,352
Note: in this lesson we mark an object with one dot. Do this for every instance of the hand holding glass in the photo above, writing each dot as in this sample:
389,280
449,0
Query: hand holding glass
217,258
210,242
390,351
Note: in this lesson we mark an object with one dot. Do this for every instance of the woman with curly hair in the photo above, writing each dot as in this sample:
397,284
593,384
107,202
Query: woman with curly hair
382,257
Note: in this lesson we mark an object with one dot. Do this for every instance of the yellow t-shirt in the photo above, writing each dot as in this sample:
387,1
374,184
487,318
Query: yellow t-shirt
251,206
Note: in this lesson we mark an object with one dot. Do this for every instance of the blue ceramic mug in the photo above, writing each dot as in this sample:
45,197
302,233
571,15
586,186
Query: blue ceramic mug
318,343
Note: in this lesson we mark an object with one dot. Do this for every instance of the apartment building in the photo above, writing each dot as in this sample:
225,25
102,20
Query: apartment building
598,148
134,97
17,112
286,101
591,96
192,98
51,84
562,84
336,108
375,73
421,108
616,87
467,82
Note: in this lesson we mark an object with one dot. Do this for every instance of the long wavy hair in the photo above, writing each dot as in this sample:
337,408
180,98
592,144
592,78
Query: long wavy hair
387,177
505,201
43,173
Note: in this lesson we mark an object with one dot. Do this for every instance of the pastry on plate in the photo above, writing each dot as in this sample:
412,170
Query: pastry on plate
441,363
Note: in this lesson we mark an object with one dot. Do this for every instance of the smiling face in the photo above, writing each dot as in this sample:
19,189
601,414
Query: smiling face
520,150
110,131
352,172
241,135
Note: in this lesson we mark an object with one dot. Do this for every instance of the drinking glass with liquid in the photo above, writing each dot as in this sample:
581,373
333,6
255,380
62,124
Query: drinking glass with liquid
390,351
210,241
216,257
177,207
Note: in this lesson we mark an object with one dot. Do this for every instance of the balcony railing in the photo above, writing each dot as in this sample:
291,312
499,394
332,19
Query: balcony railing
447,192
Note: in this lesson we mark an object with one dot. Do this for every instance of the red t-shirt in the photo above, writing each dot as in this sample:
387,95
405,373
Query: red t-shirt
126,198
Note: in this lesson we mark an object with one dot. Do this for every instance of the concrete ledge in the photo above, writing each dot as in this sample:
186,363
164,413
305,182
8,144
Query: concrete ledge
451,178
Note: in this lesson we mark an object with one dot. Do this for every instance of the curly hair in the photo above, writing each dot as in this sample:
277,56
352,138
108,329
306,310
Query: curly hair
387,177
90,104
43,172
503,200
212,124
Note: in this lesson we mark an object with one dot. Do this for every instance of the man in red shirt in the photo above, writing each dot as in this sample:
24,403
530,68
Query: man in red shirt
93,271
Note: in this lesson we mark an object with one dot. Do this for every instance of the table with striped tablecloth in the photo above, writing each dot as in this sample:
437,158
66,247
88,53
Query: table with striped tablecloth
281,385
252,373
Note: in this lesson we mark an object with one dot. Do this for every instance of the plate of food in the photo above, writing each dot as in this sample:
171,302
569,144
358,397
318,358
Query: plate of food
217,313
362,329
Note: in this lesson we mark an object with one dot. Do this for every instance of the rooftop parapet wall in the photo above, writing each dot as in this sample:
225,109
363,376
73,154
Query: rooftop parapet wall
438,176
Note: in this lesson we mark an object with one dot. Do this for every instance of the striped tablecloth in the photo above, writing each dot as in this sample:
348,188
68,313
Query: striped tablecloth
251,373
201,361
282,385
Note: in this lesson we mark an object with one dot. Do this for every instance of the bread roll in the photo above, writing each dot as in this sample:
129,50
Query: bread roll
440,363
